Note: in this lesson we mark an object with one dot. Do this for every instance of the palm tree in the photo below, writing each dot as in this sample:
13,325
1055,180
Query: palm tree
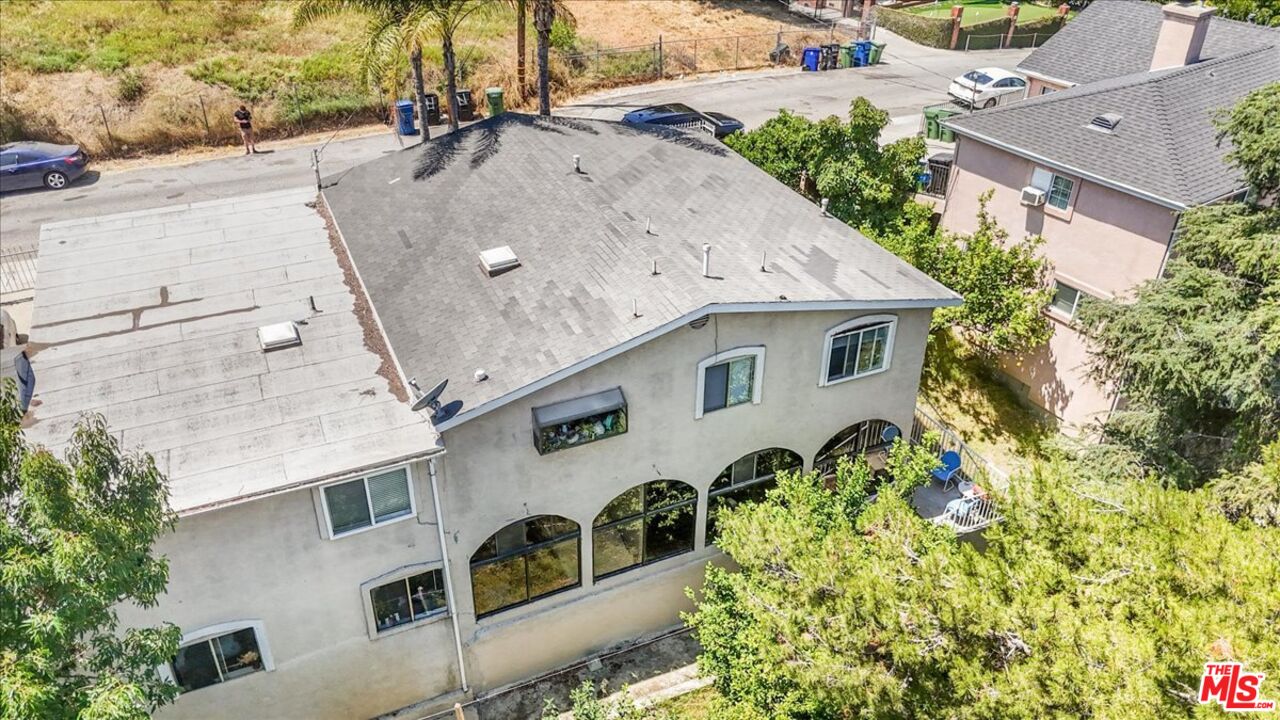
560,10
392,25
544,16
441,19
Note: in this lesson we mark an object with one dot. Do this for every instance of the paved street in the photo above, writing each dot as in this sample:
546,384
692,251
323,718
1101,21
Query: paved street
909,78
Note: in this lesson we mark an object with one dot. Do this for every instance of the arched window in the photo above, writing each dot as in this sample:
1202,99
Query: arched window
857,348
747,479
524,561
861,438
645,524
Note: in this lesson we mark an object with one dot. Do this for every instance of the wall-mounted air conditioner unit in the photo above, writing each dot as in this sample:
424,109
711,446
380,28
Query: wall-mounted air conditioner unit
1032,196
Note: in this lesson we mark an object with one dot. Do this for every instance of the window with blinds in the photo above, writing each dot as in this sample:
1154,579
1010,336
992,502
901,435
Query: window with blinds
365,502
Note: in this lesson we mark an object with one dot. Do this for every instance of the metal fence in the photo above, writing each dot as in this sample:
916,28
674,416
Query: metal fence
673,58
1004,42
973,466
17,274
939,174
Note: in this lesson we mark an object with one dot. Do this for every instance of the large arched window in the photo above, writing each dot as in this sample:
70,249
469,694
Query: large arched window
645,524
859,439
747,479
524,561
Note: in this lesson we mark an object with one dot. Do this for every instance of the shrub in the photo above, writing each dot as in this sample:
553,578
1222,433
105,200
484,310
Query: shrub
933,32
54,60
130,88
109,59
564,37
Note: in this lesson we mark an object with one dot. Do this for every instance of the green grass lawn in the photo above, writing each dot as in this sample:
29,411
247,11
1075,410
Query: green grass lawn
978,11
691,706
962,390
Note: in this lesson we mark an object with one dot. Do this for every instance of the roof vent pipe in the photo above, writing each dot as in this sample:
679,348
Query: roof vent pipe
577,164
825,203
706,260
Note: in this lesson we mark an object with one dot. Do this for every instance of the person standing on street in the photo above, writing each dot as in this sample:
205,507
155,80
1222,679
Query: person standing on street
244,119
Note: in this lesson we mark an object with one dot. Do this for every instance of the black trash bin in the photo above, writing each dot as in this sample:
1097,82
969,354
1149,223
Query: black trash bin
466,108
830,59
433,109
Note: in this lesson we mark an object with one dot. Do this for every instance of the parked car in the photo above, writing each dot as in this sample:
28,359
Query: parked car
680,115
982,88
32,164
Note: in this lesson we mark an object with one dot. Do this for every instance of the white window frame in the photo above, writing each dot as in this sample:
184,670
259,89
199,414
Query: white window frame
402,573
757,380
1042,179
373,522
210,632
867,320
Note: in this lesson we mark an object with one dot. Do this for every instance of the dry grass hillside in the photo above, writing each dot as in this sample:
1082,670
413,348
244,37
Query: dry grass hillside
164,74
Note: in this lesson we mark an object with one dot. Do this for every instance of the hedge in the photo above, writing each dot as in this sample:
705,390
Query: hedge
933,32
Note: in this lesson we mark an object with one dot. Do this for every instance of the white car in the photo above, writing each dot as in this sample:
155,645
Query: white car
983,87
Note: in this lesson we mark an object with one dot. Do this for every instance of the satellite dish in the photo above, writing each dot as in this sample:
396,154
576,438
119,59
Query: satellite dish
447,412
431,399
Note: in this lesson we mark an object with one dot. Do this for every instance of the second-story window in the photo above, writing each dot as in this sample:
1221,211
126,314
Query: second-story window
223,653
729,378
860,347
1060,192
409,599
364,502
1066,299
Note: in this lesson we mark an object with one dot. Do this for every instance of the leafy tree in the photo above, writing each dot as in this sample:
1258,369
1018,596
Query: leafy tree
865,184
587,705
1003,282
1081,604
1260,12
1197,351
76,543
1253,126
1254,492
391,27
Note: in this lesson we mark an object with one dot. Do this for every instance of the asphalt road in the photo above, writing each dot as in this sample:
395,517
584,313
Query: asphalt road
909,78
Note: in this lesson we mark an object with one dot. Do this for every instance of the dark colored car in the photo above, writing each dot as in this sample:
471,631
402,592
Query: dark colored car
683,116
32,164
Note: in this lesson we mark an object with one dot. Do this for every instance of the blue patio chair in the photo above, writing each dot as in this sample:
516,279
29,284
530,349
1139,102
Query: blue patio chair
946,472
891,433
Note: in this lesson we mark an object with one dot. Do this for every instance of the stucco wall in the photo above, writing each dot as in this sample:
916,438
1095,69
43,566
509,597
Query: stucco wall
493,475
268,560
1104,243
1037,86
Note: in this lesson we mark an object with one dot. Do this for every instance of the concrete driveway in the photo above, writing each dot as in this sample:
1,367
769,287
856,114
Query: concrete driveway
910,77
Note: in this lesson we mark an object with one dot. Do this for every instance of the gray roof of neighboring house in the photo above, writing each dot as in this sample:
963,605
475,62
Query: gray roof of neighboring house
415,222
1111,38
1166,146
151,318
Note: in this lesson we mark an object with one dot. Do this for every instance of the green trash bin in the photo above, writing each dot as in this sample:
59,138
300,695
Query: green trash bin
931,128
494,96
945,134
846,56
877,49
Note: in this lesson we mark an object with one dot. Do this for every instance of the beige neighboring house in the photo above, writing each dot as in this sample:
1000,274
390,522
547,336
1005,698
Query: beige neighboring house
637,327
1113,143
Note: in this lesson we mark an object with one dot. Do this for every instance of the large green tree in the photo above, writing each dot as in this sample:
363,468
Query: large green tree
76,542
865,183
1003,281
1084,601
1197,351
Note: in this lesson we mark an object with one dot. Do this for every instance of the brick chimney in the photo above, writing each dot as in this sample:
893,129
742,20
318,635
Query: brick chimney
1181,35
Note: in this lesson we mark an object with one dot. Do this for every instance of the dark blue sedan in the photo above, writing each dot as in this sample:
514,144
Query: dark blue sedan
683,116
32,164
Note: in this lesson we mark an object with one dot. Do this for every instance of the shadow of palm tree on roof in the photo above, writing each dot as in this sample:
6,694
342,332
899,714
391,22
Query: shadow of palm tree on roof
484,139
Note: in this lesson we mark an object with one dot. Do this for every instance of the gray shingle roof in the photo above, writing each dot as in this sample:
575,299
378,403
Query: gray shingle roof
1165,147
415,222
1112,38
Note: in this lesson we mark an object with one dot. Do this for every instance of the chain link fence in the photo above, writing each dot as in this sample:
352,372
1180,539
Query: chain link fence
1004,42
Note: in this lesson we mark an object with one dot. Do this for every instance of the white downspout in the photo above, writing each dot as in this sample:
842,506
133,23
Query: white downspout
448,581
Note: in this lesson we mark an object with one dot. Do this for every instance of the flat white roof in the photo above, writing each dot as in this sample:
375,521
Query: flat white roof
151,318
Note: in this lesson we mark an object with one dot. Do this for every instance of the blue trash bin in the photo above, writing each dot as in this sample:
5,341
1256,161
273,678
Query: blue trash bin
811,57
404,117
862,53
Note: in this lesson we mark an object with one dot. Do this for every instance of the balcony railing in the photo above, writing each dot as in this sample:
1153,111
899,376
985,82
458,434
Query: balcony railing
962,512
